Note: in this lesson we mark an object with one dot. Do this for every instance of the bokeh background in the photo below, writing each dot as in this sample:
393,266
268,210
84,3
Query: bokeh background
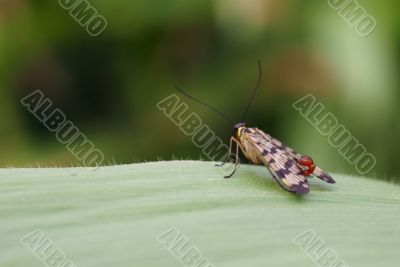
109,85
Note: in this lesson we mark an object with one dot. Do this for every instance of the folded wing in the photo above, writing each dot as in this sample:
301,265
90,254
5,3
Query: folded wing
282,166
318,172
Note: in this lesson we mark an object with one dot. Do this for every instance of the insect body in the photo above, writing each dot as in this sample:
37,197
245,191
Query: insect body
289,168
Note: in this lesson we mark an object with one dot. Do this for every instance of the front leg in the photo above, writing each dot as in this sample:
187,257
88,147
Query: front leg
237,157
229,154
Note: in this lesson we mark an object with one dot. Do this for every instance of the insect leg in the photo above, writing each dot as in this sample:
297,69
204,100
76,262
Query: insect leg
237,158
229,154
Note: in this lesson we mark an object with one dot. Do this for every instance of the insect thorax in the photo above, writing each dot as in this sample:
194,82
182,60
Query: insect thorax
239,132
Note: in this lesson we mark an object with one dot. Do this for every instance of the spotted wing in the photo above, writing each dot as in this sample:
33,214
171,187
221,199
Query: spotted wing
281,165
323,175
318,172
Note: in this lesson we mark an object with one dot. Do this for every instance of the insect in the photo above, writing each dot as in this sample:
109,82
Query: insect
289,168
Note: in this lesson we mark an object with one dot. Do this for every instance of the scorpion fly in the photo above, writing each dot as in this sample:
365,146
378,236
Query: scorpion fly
289,168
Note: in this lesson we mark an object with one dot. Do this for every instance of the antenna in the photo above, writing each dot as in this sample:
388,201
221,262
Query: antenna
230,120
254,91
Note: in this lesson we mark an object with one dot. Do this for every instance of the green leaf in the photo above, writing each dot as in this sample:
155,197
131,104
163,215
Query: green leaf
113,215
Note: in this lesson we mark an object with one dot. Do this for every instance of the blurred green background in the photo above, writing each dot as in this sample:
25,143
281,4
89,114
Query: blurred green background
109,85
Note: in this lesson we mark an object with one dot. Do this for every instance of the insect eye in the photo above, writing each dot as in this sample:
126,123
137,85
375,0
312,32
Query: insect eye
305,161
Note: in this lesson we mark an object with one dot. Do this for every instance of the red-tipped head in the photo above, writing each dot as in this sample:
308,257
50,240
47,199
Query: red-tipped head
308,165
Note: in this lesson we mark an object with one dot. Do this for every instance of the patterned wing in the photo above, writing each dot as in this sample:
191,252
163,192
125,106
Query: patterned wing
323,175
293,154
281,165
